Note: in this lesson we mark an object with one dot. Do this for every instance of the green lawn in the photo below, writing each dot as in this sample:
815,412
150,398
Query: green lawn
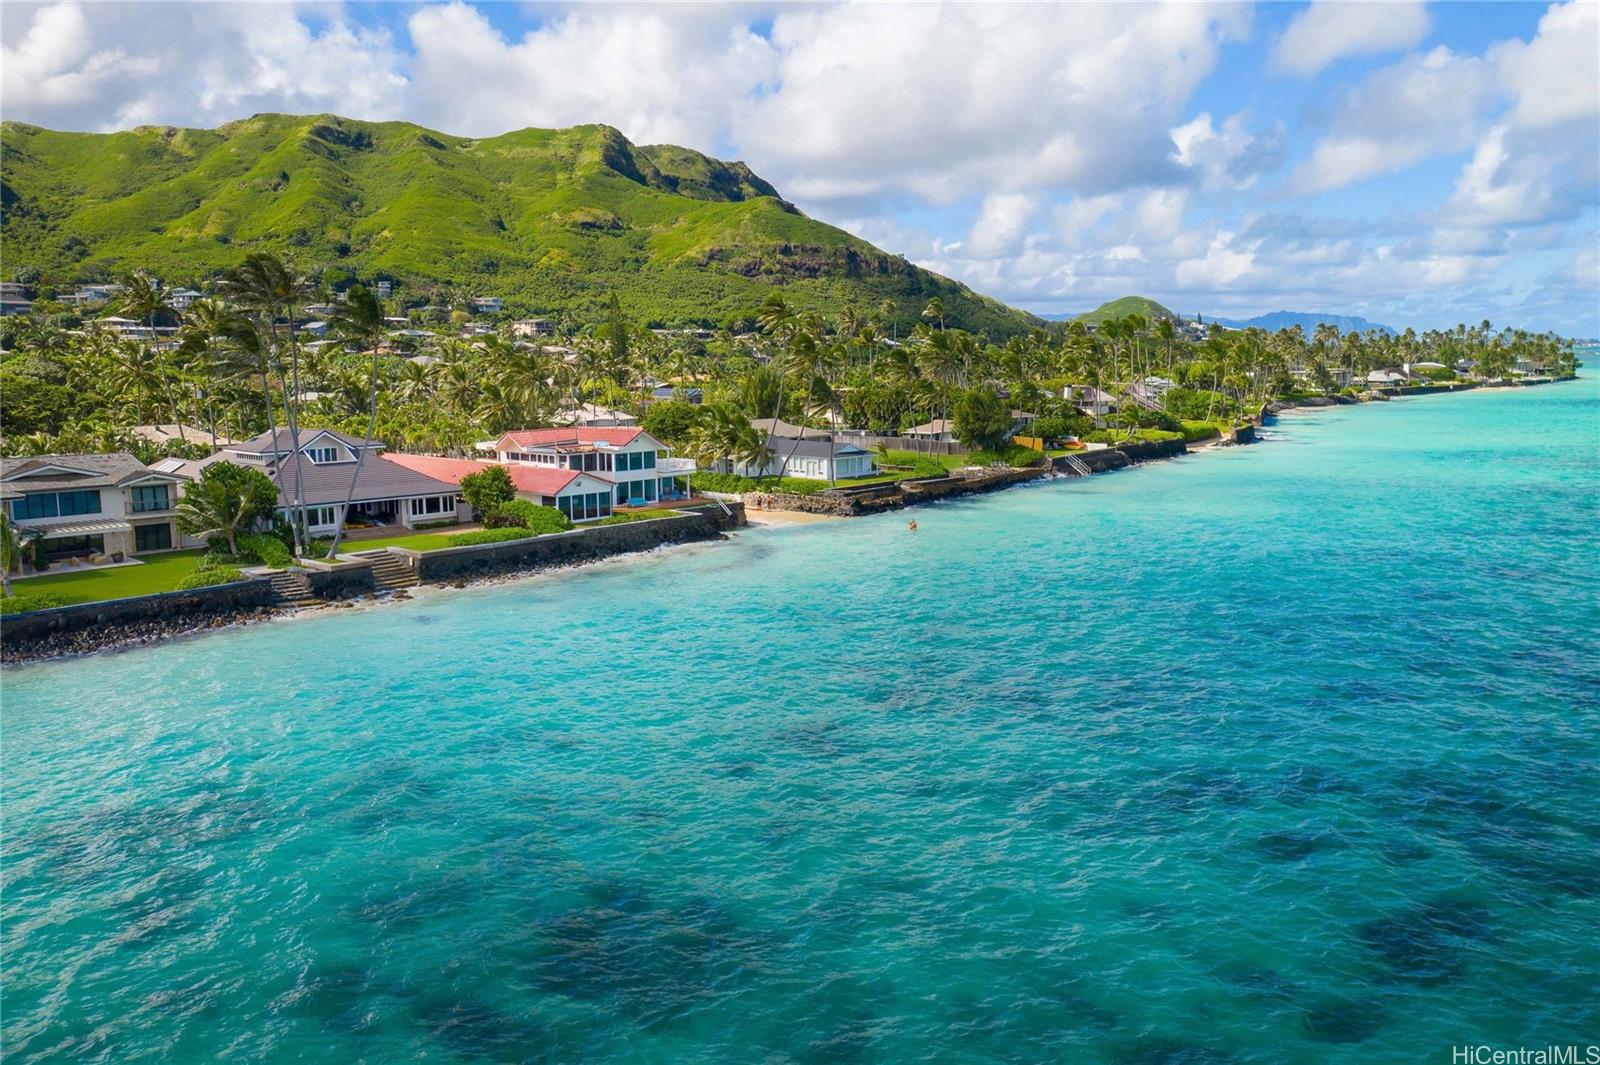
417,541
157,573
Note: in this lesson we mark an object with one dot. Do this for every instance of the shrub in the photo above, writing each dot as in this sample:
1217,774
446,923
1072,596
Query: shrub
521,514
26,601
982,419
209,575
490,536
488,489
1193,430
1062,426
265,549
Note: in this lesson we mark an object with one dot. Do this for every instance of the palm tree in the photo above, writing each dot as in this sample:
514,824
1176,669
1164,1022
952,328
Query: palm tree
213,359
359,320
141,298
10,552
934,311
267,286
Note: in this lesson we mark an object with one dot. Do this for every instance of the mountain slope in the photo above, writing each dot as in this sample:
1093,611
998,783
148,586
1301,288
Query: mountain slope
551,220
1120,308
1288,319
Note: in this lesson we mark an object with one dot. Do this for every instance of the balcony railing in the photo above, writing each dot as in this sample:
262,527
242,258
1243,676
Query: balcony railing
675,467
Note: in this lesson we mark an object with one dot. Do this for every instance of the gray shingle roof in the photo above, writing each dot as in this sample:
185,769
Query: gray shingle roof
263,443
380,479
99,471
809,448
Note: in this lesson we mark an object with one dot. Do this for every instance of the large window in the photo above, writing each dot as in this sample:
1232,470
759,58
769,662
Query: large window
87,502
150,497
152,537
56,504
425,505
37,505
585,506
649,460
323,454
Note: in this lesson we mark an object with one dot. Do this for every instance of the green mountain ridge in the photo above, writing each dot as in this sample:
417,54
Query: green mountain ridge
550,220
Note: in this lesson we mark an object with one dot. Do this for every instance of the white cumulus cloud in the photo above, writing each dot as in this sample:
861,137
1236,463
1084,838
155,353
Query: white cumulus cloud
1330,30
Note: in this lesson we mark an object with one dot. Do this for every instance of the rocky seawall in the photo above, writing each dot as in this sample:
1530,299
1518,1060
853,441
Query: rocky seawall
118,623
84,627
871,499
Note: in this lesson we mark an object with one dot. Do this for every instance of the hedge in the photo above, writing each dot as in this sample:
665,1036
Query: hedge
21,604
490,536
209,575
264,548
1194,430
521,514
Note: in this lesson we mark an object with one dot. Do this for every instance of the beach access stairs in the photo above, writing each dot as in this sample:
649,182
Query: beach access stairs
291,588
389,572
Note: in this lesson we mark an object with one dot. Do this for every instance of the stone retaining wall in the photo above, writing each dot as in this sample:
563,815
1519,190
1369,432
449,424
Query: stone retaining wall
344,579
1103,460
451,564
92,626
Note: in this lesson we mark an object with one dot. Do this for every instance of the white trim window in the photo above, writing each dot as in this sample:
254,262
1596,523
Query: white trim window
432,506
322,455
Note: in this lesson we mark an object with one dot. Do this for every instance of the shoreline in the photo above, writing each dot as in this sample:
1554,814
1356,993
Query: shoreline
84,641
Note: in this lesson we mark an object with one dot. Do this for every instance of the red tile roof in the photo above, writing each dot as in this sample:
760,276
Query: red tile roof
534,480
616,437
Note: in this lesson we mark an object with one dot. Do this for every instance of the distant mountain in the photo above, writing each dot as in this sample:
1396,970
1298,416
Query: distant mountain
549,220
1121,308
1288,319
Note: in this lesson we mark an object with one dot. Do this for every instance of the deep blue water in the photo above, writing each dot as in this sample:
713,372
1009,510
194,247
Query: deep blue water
1287,752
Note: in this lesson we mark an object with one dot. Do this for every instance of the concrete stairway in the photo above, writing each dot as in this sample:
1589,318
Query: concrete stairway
389,572
290,588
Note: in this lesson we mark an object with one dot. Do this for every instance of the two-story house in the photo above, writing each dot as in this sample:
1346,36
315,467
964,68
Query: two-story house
386,492
641,468
90,506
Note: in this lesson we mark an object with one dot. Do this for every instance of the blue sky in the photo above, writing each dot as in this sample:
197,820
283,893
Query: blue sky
1416,164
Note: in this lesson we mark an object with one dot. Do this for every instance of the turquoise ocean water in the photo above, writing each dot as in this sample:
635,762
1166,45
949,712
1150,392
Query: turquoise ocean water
1282,753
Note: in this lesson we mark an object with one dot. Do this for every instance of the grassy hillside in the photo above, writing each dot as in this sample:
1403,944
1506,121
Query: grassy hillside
1150,309
552,220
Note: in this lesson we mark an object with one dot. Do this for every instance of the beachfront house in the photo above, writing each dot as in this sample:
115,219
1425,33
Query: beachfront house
91,508
810,458
1149,392
386,492
640,467
1090,400
580,496
1386,379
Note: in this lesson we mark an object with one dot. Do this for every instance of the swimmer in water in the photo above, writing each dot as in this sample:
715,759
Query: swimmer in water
912,525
